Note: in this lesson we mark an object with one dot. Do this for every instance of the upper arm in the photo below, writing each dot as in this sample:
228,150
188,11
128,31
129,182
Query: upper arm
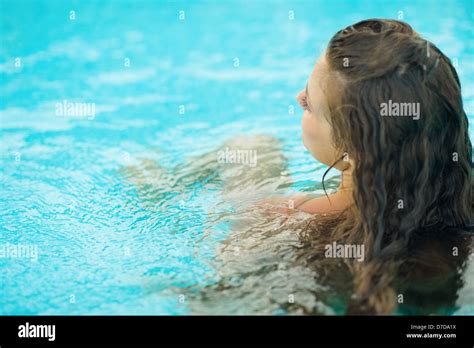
290,202
325,204
308,203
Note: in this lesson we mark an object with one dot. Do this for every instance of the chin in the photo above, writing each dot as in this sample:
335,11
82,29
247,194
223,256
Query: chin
322,159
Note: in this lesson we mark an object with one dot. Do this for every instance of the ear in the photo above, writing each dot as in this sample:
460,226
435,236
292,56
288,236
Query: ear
346,161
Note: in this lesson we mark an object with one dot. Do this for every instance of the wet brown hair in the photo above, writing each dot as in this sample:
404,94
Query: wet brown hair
412,177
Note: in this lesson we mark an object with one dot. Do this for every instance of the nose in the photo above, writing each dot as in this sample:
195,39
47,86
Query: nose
300,96
301,99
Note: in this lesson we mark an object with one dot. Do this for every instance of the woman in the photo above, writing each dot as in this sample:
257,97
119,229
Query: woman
384,107
404,177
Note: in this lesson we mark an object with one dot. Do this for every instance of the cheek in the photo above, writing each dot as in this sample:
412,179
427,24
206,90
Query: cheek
316,136
308,129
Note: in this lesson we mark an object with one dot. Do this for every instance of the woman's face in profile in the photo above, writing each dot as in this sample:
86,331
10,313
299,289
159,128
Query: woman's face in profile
316,130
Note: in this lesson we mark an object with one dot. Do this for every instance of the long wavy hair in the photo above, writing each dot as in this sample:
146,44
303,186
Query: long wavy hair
412,177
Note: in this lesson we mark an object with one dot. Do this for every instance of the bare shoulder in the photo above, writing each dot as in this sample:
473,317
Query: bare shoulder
326,204
308,203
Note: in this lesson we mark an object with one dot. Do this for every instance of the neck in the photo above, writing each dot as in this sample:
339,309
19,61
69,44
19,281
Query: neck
346,180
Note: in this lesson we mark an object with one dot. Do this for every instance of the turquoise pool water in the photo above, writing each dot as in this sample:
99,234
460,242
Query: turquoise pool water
124,211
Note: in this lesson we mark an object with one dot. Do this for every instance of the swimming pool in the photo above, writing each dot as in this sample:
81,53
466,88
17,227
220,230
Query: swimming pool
121,211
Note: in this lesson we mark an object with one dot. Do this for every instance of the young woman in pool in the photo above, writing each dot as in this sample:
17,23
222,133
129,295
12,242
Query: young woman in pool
403,178
405,193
